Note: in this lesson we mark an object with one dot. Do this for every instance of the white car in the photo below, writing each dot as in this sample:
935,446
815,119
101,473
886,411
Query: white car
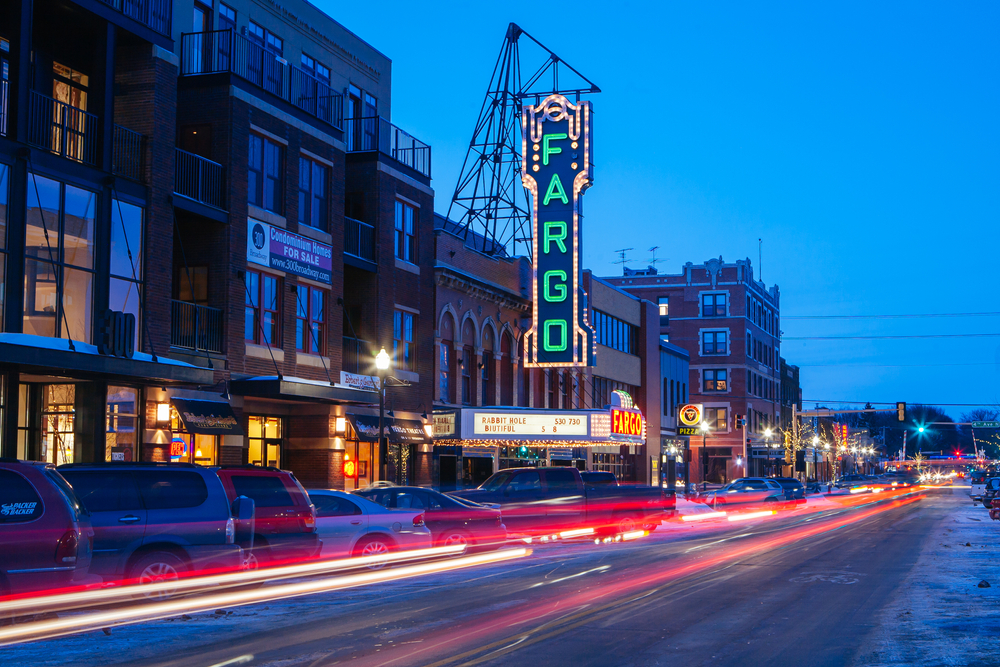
350,525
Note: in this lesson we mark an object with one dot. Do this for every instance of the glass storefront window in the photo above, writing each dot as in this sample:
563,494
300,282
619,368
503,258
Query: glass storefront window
121,424
4,185
125,289
264,438
59,235
194,448
58,421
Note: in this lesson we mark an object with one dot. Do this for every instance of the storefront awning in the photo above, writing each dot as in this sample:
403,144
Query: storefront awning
54,356
402,431
299,389
207,417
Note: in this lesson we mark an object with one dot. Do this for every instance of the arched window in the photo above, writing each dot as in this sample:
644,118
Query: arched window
446,362
488,372
507,370
468,362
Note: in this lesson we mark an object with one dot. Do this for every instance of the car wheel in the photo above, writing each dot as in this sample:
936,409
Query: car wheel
770,499
159,569
626,524
457,540
374,546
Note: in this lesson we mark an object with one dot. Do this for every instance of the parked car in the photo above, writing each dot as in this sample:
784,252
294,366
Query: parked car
990,501
155,521
284,517
450,520
544,500
46,539
744,490
978,480
851,481
597,478
350,525
793,488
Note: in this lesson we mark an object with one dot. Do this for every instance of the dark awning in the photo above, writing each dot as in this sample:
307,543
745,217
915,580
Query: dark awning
405,431
207,417
297,389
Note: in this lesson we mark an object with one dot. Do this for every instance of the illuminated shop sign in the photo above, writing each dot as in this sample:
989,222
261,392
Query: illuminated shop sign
627,424
501,425
690,418
556,169
275,248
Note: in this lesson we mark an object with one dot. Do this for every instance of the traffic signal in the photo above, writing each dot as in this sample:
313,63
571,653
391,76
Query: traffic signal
738,422
901,412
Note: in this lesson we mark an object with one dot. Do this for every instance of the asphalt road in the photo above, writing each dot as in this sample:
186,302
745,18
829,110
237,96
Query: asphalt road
798,588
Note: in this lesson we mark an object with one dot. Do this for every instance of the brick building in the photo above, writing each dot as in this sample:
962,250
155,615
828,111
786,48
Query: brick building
483,309
729,323
238,191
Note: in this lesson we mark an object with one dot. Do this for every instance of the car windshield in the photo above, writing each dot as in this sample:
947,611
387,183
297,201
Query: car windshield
496,481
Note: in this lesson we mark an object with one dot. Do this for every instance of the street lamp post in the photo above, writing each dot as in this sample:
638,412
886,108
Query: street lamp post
704,455
382,367
815,460
767,440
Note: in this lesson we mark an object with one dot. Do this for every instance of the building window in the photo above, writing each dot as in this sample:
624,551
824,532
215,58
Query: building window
467,361
262,313
487,373
59,260
716,379
317,69
313,179
264,437
713,342
713,305
406,240
445,371
4,186
716,419
227,17
310,316
664,303
402,340
264,175
614,333
668,388
125,286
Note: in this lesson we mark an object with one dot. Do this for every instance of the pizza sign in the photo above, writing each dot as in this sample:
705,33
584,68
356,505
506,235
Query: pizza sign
690,416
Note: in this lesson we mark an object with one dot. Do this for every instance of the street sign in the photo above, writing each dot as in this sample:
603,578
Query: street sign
985,424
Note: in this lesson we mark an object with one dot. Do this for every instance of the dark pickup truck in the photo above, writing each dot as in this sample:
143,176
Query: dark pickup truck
547,500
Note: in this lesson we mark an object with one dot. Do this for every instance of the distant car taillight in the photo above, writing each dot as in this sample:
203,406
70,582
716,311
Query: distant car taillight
418,521
310,519
230,531
66,547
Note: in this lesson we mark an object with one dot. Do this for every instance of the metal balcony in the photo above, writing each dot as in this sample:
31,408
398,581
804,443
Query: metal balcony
127,154
199,179
229,51
154,14
62,129
375,133
359,239
194,327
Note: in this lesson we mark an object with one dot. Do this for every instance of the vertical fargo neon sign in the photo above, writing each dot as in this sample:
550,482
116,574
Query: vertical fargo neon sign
556,169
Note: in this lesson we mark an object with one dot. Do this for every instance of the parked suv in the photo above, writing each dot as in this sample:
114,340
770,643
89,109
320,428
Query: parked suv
155,521
45,533
284,517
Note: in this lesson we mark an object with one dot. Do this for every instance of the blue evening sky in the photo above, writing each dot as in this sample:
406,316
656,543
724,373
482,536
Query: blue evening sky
858,139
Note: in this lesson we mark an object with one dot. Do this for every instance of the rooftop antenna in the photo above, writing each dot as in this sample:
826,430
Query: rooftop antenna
489,199
653,261
623,260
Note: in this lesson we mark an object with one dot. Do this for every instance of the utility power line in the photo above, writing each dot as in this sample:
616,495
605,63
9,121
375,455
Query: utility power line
887,337
874,365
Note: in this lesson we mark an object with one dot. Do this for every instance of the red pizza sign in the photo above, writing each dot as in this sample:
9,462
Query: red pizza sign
350,468
627,423
690,414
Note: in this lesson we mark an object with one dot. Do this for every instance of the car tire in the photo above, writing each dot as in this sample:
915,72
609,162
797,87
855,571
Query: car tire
770,499
458,538
625,523
375,545
158,567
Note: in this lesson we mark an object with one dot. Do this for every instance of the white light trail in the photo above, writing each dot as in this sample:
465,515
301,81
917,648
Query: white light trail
751,515
155,610
703,516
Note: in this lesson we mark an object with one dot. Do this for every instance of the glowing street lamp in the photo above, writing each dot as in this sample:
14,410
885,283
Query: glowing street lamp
705,428
382,367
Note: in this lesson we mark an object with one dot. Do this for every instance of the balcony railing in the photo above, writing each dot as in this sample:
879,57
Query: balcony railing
359,239
194,327
199,179
127,154
229,51
357,356
377,134
62,129
153,14
3,107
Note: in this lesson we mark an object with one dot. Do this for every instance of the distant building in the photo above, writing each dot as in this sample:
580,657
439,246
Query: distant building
729,322
791,392
674,377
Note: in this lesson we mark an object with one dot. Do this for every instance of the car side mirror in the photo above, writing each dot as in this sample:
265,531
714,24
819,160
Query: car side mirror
243,508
